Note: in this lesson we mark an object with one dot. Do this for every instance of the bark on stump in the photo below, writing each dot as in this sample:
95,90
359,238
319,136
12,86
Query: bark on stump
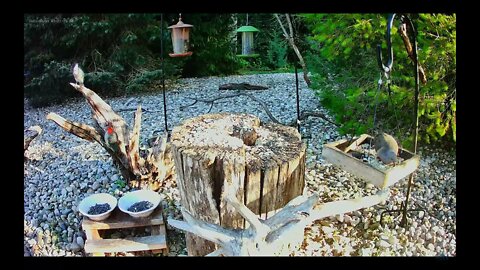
264,163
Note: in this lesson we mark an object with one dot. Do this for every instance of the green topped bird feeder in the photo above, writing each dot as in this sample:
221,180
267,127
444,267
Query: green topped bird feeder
180,38
247,41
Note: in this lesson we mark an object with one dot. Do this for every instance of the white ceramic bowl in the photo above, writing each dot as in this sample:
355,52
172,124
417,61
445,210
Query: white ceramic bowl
130,198
99,198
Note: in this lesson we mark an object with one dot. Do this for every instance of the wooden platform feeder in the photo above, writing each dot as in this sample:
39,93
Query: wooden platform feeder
97,246
339,153
262,163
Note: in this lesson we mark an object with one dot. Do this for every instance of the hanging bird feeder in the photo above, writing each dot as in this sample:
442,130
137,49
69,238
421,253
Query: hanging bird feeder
247,41
180,38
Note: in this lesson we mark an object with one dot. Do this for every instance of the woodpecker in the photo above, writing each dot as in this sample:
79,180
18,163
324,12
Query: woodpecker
78,74
386,147
111,138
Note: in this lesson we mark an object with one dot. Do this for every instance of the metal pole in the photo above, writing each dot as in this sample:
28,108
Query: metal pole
298,99
163,74
415,135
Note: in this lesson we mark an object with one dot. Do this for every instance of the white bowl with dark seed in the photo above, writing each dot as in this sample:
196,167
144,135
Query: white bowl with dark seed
140,203
98,206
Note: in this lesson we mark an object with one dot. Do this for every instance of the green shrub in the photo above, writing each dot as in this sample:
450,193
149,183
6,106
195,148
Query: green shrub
104,82
343,57
50,87
277,53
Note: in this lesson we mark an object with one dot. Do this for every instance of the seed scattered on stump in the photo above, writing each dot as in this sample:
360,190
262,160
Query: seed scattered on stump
140,206
98,209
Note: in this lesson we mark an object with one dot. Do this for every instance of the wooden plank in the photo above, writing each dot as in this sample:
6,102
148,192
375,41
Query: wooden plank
400,171
158,230
119,220
93,234
126,245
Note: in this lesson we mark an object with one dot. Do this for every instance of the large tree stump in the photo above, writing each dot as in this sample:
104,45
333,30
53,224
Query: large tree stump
263,164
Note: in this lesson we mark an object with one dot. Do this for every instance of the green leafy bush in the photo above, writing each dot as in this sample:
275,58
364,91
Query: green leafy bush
277,53
343,57
51,86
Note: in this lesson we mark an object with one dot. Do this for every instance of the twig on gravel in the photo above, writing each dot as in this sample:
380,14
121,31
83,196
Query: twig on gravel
304,115
211,102
134,109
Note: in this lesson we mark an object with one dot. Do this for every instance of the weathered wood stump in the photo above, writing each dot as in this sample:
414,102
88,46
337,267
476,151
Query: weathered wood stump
263,163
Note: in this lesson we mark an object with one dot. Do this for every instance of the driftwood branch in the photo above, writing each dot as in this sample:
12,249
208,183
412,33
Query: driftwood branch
211,232
411,54
133,148
275,235
112,133
29,135
80,130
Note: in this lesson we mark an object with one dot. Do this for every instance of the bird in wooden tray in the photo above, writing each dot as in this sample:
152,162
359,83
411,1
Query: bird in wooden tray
386,147
78,74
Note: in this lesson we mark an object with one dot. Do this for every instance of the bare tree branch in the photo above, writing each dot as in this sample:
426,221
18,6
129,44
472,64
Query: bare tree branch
290,38
408,46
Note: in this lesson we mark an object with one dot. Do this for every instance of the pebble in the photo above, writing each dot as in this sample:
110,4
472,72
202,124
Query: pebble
96,185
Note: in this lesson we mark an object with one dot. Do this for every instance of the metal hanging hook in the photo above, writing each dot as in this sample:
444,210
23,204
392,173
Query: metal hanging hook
388,67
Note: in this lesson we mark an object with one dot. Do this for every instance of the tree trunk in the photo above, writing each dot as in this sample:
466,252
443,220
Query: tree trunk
263,164
290,38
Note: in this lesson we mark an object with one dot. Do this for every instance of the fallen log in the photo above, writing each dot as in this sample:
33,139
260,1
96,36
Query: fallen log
241,86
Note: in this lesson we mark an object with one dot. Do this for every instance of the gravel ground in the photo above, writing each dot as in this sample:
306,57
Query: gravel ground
63,169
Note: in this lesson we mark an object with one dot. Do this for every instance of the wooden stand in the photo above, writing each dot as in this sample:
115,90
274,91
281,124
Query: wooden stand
98,246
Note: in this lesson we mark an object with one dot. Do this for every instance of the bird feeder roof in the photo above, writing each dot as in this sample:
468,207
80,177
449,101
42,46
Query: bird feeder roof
180,24
247,28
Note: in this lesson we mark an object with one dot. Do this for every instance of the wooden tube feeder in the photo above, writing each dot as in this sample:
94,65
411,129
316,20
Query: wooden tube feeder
180,39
